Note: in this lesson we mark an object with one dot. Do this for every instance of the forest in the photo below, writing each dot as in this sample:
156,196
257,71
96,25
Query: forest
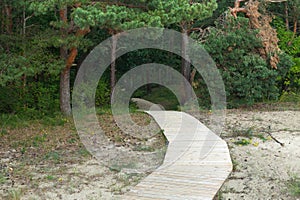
255,47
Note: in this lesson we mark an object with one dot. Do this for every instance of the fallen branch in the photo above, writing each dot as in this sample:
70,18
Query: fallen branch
269,133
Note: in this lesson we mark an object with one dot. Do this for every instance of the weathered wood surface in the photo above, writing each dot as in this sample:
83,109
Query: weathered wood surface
196,164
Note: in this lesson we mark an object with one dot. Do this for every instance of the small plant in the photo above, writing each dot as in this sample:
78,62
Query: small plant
50,177
83,152
23,150
243,142
14,194
235,165
294,186
119,167
72,140
248,132
219,196
53,156
260,136
118,138
2,178
39,139
143,148
3,132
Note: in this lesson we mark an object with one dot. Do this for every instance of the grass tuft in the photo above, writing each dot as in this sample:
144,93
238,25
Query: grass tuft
294,186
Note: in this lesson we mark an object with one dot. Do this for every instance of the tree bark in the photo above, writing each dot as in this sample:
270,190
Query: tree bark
65,102
287,16
69,58
185,65
8,18
236,9
113,62
7,22
65,105
295,27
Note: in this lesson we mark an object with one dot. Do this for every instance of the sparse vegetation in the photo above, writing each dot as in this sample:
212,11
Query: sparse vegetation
15,194
43,153
294,185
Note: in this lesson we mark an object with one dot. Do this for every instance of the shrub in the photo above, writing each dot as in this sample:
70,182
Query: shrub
248,77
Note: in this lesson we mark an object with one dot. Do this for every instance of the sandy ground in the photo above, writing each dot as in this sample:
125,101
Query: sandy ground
262,167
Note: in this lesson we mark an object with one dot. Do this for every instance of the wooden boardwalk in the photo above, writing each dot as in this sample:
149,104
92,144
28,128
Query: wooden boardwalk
196,164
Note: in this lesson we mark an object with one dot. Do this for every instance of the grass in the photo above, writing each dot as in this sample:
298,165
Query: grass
294,186
37,144
247,133
144,148
219,196
290,97
2,178
243,142
124,180
118,167
50,177
15,194
53,156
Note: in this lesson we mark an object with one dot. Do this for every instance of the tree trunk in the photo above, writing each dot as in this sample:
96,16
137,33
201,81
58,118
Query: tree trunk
295,26
185,64
185,61
7,22
69,58
287,16
65,103
113,63
8,18
2,19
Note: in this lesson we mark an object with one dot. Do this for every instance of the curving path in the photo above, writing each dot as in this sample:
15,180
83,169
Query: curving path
196,164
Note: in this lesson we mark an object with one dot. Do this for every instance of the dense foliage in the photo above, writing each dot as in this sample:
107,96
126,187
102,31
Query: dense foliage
42,41
247,76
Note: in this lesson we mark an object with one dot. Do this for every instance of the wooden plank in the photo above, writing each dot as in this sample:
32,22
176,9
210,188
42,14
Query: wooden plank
196,164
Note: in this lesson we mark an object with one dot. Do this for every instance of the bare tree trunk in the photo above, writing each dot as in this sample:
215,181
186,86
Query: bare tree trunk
69,57
2,18
287,16
113,62
295,27
65,103
185,64
65,95
9,19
